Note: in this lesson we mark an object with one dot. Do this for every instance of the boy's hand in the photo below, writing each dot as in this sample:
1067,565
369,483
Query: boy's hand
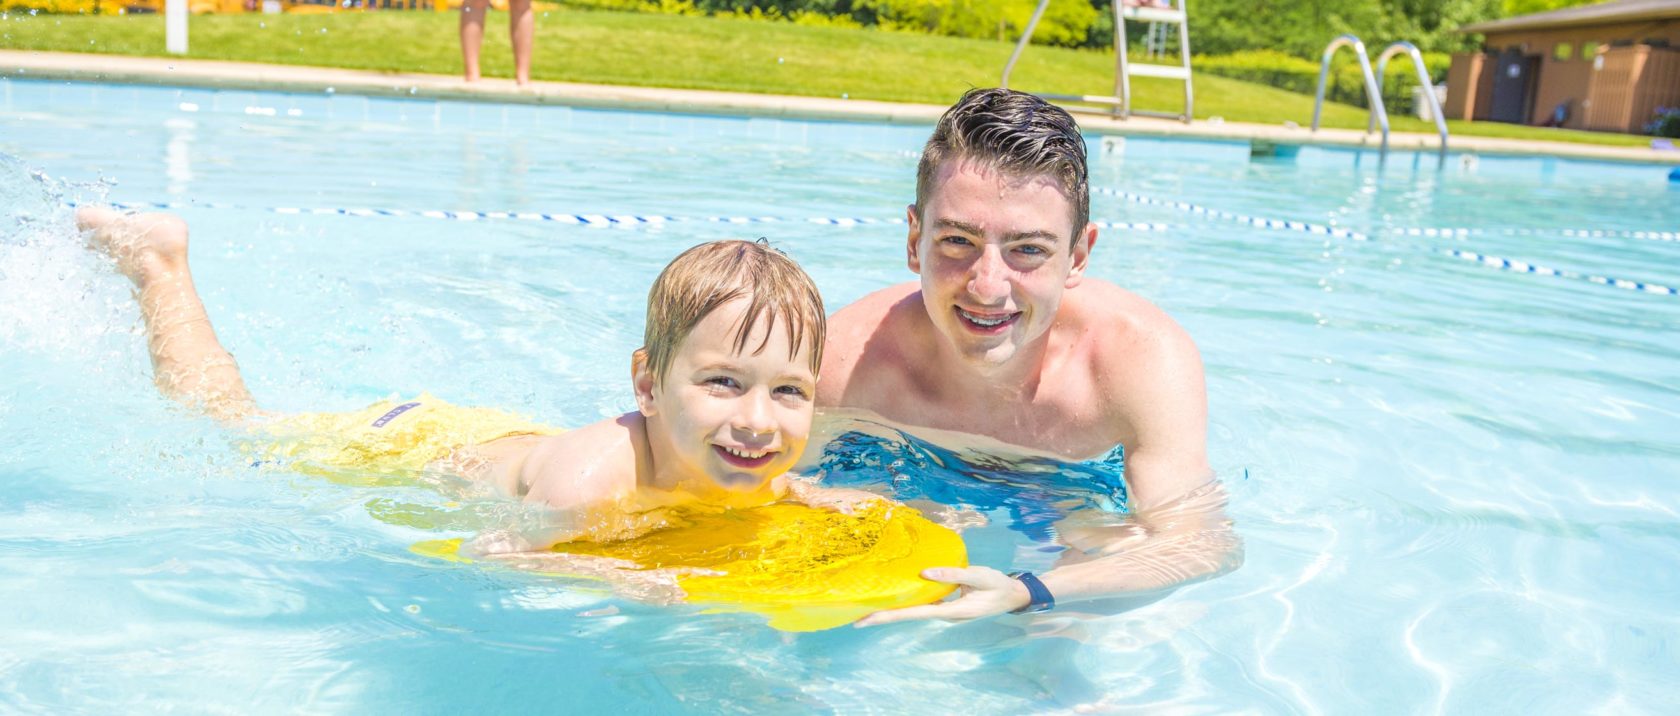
496,542
953,518
844,500
628,579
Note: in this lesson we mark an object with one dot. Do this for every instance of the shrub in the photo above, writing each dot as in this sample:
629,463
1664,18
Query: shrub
1344,84
1667,123
1066,23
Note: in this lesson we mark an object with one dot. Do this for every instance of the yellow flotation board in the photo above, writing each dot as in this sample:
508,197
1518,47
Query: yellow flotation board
805,568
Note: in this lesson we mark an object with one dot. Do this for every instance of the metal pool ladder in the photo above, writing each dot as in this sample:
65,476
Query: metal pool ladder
1373,90
1120,104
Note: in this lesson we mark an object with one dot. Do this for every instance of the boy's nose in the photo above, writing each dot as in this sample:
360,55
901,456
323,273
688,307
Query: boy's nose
755,417
989,282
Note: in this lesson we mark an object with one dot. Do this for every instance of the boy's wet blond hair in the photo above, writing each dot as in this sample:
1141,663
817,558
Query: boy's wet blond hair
712,274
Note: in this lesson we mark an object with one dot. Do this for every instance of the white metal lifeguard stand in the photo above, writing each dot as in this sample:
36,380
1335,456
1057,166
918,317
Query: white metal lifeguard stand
1120,104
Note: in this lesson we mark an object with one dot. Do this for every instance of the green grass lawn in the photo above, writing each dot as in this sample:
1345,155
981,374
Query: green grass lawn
700,53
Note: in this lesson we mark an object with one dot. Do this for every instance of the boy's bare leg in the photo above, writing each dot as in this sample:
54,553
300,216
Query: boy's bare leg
188,363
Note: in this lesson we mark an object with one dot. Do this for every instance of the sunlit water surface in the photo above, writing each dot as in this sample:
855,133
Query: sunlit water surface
1456,483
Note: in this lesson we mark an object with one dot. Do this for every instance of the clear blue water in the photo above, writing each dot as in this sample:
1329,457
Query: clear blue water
1459,486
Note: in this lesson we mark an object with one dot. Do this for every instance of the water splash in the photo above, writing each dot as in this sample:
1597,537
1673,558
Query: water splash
55,296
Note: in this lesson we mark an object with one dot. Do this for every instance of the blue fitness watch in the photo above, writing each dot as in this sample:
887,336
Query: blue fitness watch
1041,599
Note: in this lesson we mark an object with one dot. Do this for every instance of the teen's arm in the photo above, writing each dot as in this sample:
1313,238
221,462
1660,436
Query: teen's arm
1177,532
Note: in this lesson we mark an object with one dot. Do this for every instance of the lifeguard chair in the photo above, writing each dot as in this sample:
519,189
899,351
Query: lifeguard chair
1119,105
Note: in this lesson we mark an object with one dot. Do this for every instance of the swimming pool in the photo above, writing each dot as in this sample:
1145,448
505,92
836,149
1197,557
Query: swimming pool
1455,473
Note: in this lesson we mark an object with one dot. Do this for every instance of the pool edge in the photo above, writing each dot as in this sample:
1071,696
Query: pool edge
220,74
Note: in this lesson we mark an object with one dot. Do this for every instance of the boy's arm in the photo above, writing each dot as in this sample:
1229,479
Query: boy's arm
570,474
498,463
840,499
591,466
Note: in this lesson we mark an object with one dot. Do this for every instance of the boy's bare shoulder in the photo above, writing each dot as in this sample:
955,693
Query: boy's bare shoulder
591,464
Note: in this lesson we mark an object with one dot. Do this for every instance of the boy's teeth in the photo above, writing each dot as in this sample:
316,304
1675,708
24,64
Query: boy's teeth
745,454
984,321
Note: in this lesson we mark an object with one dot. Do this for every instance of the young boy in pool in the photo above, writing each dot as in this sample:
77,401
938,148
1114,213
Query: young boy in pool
724,386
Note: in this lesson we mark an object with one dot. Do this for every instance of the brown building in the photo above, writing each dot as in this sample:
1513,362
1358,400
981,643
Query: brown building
1605,67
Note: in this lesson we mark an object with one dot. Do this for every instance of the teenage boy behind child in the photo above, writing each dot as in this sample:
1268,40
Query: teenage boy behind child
1005,337
724,389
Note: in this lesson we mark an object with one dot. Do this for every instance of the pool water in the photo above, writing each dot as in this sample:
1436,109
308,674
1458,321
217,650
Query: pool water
1457,477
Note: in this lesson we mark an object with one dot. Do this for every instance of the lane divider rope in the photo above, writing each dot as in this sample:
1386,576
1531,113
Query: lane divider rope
1524,267
597,220
1289,225
1571,233
1260,221
627,220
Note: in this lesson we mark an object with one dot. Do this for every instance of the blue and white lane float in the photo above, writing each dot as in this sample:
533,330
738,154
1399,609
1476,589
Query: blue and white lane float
595,220
1525,267
630,220
1259,221
1302,226
1673,236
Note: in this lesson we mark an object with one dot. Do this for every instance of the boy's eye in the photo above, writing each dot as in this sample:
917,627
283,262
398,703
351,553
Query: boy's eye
792,390
1032,250
723,381
956,241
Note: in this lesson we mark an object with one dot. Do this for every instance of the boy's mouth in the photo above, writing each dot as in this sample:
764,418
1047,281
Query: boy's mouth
987,323
740,457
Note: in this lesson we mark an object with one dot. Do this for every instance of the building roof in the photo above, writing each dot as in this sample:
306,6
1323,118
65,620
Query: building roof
1583,16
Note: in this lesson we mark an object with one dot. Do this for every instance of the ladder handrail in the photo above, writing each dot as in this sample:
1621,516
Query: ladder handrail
1373,91
1021,44
1423,77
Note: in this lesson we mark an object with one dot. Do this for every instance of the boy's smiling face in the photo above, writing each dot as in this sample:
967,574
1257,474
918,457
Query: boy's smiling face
737,419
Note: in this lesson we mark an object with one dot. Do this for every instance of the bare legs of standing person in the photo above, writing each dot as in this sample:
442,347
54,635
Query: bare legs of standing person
188,363
522,28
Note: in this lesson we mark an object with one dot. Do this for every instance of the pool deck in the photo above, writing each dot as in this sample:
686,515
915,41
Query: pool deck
289,78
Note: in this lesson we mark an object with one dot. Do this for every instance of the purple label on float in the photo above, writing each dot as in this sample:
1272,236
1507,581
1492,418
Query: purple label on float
388,417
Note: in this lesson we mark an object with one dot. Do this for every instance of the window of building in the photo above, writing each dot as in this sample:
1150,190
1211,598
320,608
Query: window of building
1588,49
1563,51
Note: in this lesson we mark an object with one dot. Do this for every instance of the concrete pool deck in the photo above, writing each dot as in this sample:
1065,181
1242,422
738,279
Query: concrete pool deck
216,74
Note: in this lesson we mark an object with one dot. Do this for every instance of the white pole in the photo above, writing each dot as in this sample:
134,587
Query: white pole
175,26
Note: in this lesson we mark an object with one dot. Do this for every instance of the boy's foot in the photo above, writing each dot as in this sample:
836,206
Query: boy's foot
145,246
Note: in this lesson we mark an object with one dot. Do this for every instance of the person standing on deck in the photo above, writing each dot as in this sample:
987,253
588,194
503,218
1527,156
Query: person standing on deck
522,27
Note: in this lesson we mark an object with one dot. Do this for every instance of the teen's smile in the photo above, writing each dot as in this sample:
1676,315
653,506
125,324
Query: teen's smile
987,323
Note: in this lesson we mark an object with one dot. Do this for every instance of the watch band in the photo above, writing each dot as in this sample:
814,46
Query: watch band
1041,599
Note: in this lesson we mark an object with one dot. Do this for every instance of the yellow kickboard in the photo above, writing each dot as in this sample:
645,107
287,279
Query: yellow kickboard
806,569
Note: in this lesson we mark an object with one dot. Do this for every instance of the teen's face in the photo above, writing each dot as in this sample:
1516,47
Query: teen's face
994,253
736,419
